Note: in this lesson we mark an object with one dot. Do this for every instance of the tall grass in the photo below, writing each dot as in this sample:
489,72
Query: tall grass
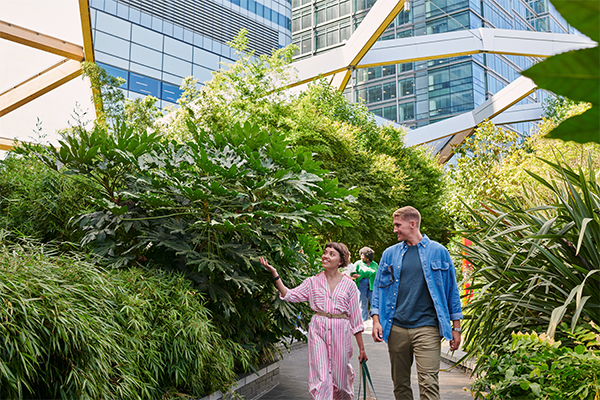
36,201
536,264
72,330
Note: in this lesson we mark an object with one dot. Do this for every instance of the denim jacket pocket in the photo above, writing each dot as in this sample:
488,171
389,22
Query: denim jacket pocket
439,269
387,275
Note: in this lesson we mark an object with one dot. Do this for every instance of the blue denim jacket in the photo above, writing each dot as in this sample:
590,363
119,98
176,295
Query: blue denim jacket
440,276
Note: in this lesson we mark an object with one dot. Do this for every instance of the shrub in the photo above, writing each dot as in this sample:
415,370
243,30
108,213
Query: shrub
536,367
38,202
208,207
72,330
535,263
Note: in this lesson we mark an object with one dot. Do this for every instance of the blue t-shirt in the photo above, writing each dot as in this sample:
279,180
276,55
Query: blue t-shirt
414,306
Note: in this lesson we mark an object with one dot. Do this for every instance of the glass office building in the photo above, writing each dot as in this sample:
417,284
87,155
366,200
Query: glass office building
154,44
421,93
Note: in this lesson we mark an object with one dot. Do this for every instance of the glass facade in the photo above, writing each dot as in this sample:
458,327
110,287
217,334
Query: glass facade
154,45
421,93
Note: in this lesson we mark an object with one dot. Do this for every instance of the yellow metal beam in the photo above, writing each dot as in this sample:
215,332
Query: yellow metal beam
40,41
88,46
38,85
374,36
6,144
86,28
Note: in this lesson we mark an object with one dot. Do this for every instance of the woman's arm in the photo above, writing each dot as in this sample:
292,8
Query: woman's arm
278,282
362,355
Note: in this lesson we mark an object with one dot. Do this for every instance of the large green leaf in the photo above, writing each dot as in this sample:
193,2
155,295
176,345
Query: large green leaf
582,128
583,15
574,74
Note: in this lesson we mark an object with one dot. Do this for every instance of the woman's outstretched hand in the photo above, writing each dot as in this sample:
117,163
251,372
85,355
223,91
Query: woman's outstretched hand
265,263
278,282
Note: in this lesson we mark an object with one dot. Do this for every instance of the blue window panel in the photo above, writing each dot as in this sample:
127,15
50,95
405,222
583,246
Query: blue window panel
114,26
145,56
178,32
281,21
157,24
144,85
208,43
111,45
178,49
244,4
168,28
198,40
252,6
117,73
146,37
176,66
108,59
188,36
135,15
122,11
259,9
97,4
145,71
236,2
172,79
170,92
146,20
206,59
110,6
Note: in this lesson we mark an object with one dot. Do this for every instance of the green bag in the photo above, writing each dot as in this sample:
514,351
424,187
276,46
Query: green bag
365,383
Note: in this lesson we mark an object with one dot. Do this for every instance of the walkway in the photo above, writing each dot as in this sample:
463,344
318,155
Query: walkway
293,375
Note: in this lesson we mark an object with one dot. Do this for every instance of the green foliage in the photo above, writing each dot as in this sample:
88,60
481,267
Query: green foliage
113,108
38,202
478,169
209,207
536,264
534,367
72,330
342,135
575,74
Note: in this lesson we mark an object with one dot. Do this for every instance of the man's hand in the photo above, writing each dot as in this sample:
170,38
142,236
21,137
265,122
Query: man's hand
377,331
454,343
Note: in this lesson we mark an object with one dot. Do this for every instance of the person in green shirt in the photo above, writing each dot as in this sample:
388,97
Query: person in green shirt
364,276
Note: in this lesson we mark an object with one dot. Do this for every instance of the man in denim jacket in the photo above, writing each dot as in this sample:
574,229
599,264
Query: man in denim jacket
415,296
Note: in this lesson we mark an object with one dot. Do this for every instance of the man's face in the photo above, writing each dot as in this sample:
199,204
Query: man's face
403,228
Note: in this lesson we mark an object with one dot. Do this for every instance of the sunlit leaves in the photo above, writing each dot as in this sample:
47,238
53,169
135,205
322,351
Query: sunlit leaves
529,270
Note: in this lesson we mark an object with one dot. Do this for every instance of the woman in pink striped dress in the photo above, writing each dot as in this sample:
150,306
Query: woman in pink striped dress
333,297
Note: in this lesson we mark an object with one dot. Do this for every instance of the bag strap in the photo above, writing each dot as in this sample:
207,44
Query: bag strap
366,376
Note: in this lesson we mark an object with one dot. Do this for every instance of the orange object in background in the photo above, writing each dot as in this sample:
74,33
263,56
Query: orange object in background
467,268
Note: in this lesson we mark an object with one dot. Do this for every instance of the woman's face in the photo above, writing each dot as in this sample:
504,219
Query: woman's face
331,258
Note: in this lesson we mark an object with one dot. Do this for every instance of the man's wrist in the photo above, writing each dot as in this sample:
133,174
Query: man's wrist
454,329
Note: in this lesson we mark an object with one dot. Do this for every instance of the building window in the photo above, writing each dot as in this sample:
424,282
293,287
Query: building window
144,85
406,111
389,91
406,87
390,113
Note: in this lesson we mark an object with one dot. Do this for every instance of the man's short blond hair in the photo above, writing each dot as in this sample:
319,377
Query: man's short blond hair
408,213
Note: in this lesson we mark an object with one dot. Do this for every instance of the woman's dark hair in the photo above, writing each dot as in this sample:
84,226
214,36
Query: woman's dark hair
343,250
367,252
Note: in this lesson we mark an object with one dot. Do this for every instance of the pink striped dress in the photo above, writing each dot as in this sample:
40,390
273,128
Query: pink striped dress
330,375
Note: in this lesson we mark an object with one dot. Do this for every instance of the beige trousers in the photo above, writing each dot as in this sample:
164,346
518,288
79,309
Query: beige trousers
424,344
